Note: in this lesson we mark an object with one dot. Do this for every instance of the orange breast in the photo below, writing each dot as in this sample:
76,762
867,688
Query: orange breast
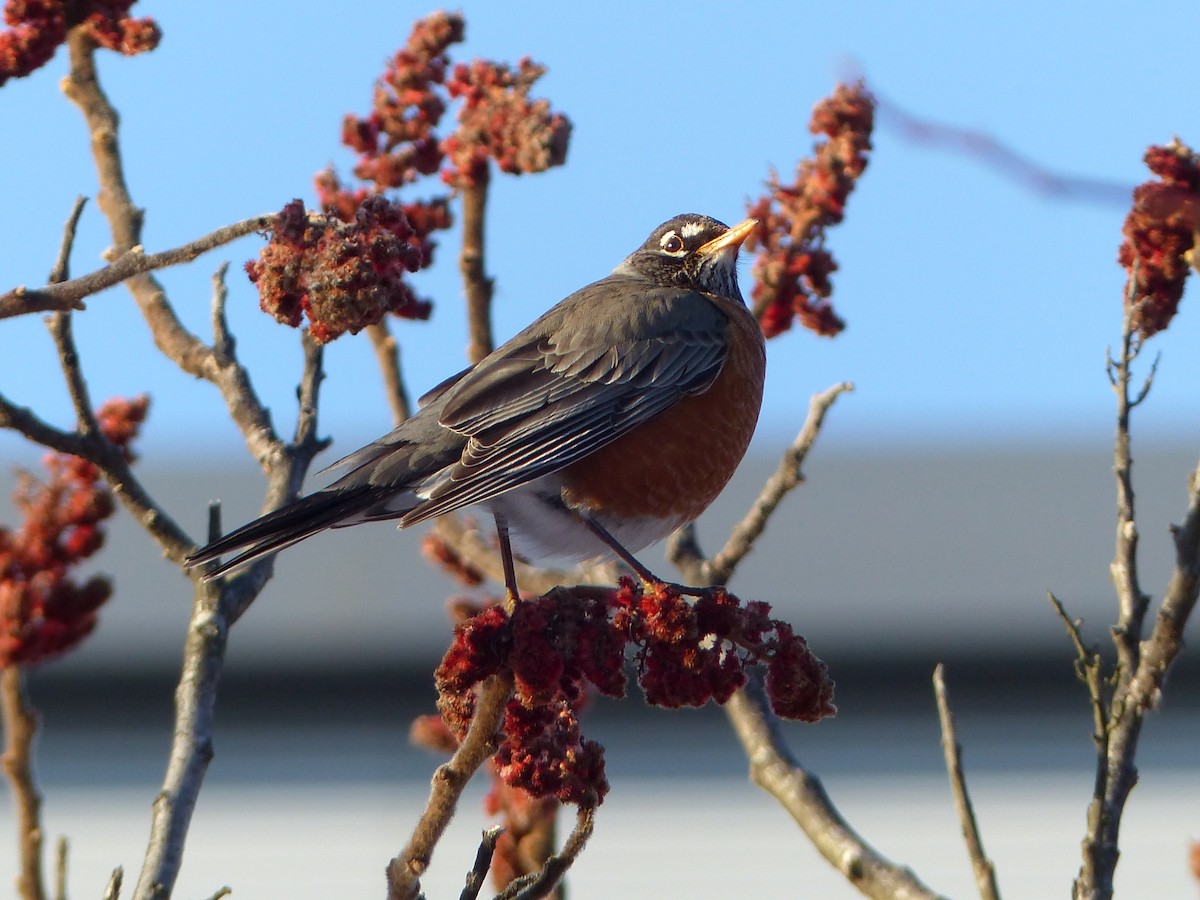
677,464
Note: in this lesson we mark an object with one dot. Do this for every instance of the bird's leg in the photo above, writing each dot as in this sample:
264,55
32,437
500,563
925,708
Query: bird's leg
506,560
647,577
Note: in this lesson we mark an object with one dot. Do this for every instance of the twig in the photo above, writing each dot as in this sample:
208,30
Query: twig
483,862
772,765
405,870
786,477
985,872
173,540
1089,669
191,745
133,261
801,793
993,153
20,727
541,883
60,869
387,353
471,263
112,891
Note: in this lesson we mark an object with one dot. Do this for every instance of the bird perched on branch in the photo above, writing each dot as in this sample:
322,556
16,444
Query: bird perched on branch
613,419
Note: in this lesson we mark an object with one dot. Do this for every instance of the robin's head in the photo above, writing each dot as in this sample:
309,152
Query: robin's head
691,251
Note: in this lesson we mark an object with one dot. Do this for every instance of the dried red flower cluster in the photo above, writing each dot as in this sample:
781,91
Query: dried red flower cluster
1160,233
38,27
792,266
498,121
685,653
43,611
343,276
398,142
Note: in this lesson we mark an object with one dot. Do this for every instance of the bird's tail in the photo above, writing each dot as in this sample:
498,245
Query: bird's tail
286,526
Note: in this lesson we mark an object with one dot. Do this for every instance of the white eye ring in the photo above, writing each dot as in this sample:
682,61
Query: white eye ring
671,243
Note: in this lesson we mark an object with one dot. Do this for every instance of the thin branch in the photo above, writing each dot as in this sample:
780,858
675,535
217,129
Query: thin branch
991,152
1124,568
60,869
20,727
985,872
191,745
125,222
1166,638
483,862
801,793
111,461
786,477
1090,671
471,263
387,353
133,261
112,891
541,883
405,870
62,266
772,765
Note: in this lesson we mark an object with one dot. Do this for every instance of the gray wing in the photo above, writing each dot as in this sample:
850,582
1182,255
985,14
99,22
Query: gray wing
554,394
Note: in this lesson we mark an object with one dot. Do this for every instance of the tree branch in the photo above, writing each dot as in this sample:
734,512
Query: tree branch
801,793
475,279
541,883
387,354
786,477
20,727
405,870
483,862
67,295
985,872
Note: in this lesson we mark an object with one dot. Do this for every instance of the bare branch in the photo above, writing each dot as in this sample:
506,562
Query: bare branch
787,476
20,727
541,883
683,552
991,152
134,261
405,870
483,862
173,540
1166,638
801,793
387,353
62,266
985,872
474,274
1090,671
112,891
62,850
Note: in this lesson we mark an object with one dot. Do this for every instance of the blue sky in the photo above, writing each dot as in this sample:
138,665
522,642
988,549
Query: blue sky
977,311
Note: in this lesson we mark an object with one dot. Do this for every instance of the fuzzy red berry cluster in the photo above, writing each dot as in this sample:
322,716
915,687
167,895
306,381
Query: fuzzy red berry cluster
498,121
398,142
342,276
792,268
38,27
555,646
1160,235
43,610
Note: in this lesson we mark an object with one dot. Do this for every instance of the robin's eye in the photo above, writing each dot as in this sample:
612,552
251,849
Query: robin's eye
671,243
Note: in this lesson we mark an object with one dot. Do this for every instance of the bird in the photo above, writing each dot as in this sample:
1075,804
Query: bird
614,418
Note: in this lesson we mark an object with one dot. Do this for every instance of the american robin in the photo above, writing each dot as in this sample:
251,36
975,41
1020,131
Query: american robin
613,419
